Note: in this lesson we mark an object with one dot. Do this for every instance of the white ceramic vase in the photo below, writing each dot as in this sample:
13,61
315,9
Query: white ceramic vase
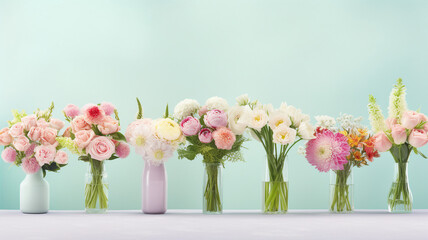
34,195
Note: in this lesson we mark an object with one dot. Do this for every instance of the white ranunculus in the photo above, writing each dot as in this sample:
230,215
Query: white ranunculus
268,108
186,108
258,119
284,135
243,100
306,131
283,106
238,119
277,118
297,116
216,103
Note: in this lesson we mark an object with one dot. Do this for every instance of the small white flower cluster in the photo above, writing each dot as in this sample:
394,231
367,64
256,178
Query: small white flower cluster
349,122
326,122
217,103
186,108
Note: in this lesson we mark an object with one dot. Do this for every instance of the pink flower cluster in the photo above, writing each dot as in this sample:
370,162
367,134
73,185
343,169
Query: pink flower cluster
327,151
83,122
216,129
410,130
36,138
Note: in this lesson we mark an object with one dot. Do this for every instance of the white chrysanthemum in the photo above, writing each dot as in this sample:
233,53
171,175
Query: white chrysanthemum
258,119
243,100
296,116
159,152
142,138
238,119
301,150
186,108
216,103
277,118
284,135
306,131
325,121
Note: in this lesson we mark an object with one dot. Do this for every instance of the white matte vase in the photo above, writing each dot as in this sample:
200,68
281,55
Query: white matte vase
34,196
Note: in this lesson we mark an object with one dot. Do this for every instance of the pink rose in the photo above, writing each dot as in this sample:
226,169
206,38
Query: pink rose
29,121
5,138
109,125
108,108
49,136
30,150
418,138
21,143
83,138
79,123
9,155
390,122
42,123
35,133
17,130
44,154
224,138
93,114
399,134
381,142
205,135
190,126
410,119
215,118
61,157
71,111
100,148
56,123
425,119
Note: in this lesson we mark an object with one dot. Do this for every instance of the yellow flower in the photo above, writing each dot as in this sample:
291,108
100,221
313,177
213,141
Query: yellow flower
354,140
167,129
362,132
345,133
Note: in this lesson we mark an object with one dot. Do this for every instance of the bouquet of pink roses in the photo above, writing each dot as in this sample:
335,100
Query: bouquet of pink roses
208,132
94,135
400,134
30,142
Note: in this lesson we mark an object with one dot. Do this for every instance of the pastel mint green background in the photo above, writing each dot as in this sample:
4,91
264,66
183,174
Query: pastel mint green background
324,57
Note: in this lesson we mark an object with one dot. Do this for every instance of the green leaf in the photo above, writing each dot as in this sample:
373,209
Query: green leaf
44,172
118,136
140,110
166,115
84,158
113,157
96,130
116,116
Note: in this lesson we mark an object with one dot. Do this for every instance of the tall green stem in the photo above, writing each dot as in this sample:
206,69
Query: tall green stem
212,193
95,189
341,190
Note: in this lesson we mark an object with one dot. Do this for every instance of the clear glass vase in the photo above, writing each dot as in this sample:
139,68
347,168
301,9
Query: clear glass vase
212,189
96,189
275,190
342,190
400,199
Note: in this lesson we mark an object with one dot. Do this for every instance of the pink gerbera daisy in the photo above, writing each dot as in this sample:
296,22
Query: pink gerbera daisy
328,151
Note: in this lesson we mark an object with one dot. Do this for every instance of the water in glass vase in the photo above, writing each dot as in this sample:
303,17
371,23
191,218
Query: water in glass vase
96,188
212,189
275,190
342,190
400,199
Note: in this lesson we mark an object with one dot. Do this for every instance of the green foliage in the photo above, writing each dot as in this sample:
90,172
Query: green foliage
65,142
84,158
116,116
113,157
96,130
52,167
69,119
209,152
17,116
166,114
118,136
140,110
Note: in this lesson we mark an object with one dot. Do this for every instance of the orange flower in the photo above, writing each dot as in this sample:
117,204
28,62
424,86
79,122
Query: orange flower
345,133
357,156
362,132
354,140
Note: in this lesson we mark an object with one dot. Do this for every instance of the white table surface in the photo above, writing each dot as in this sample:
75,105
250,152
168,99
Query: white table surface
191,224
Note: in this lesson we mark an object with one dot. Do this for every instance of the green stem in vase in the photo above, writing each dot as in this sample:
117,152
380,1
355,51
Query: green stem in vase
212,192
95,189
399,196
341,201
